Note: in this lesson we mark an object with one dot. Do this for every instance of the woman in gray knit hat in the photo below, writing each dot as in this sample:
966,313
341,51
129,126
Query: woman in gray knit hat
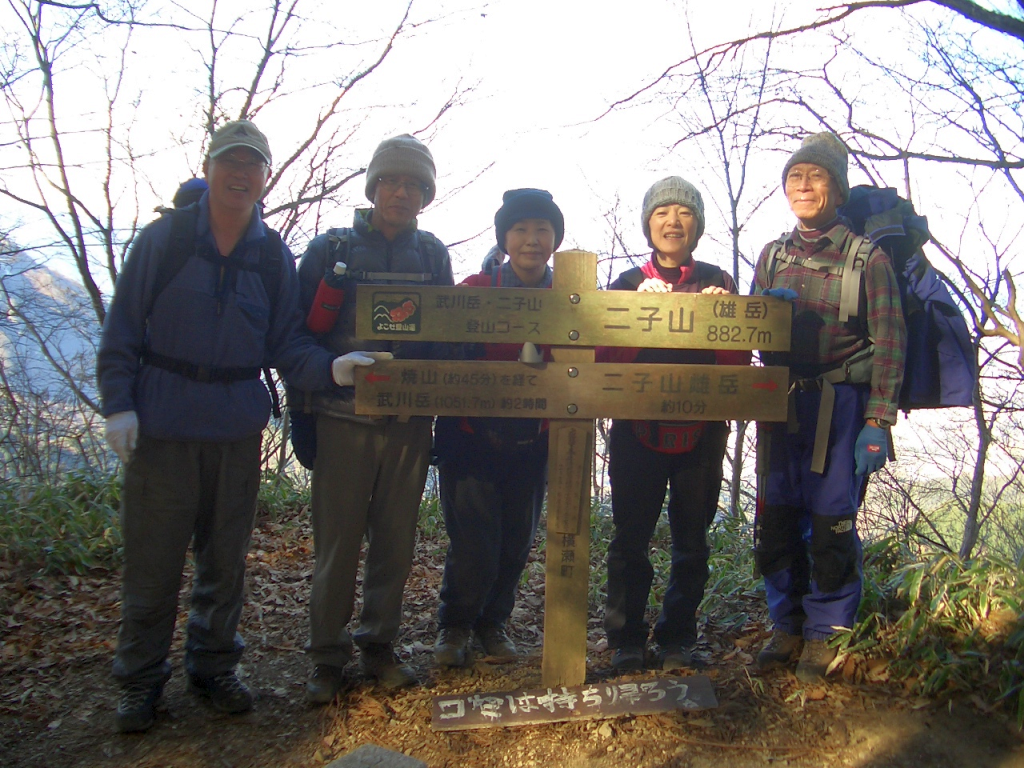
645,457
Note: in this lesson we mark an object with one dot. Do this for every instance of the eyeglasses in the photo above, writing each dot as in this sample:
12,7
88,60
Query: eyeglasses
391,184
816,178
248,166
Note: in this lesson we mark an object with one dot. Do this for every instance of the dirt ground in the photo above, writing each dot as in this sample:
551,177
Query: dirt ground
56,697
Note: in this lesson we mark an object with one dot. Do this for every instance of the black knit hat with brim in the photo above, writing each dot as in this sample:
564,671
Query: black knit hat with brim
519,204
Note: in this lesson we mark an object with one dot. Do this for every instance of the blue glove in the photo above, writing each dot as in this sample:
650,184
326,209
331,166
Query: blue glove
872,449
786,294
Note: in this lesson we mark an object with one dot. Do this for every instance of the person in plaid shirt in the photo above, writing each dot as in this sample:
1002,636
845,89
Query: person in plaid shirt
808,549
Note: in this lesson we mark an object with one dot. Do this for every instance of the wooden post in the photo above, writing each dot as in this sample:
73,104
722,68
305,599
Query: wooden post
567,561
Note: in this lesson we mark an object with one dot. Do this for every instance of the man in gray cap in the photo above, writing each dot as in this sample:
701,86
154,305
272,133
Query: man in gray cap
369,472
207,297
846,367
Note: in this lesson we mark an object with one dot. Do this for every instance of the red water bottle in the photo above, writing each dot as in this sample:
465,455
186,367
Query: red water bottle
330,295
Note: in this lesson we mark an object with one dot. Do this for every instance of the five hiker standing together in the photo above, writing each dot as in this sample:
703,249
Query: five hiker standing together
209,296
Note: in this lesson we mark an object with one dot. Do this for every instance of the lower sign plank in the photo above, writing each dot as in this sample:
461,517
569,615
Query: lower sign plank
582,702
573,391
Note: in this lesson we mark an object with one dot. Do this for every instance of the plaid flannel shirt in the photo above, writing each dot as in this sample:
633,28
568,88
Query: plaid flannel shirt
819,341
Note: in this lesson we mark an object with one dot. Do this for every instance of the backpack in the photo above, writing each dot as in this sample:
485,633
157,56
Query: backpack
181,246
940,369
303,420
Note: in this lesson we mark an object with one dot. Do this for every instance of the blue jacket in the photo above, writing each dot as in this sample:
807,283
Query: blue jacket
184,323
365,250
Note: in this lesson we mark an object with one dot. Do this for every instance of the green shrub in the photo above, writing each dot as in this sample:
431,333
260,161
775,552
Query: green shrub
72,527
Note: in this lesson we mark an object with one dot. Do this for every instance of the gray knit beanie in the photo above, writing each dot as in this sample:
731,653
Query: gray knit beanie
403,155
673,190
828,152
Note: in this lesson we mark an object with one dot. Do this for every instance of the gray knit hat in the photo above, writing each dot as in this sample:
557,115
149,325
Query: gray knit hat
403,155
673,190
827,151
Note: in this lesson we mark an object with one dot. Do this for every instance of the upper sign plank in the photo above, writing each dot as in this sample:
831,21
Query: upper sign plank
584,319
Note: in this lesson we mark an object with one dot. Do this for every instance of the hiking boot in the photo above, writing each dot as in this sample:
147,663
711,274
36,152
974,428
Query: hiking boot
814,661
496,642
136,709
674,657
783,648
378,661
323,684
628,659
224,692
452,648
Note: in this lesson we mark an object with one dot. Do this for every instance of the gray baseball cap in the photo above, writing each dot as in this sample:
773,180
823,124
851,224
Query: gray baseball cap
239,133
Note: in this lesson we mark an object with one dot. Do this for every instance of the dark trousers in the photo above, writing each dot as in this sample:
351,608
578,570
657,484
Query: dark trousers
176,493
639,476
809,550
492,505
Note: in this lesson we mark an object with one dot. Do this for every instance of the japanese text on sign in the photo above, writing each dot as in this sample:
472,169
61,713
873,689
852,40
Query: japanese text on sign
585,701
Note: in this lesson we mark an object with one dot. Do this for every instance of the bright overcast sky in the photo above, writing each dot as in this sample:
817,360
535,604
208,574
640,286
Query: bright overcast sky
546,69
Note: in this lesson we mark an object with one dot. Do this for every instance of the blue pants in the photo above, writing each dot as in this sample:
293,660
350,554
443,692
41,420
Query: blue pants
809,550
639,476
492,505
176,493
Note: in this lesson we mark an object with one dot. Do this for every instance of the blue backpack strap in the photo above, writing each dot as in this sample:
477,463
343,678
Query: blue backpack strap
181,245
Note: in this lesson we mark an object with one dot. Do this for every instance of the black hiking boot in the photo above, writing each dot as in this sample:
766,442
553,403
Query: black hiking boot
814,661
136,709
496,642
783,648
224,692
323,684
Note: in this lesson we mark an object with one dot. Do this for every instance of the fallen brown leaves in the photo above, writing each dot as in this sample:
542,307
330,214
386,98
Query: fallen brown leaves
57,635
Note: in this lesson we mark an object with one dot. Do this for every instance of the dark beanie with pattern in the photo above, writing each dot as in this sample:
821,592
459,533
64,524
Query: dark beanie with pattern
826,151
672,190
519,204
403,155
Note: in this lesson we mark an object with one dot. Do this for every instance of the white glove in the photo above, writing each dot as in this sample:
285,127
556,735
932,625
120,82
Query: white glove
122,433
530,354
654,285
343,368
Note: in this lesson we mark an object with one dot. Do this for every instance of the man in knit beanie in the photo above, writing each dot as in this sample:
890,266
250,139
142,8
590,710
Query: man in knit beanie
368,473
826,151
403,155
846,368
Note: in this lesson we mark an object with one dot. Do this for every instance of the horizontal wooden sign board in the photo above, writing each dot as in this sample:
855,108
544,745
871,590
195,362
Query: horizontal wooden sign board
586,318
647,391
580,702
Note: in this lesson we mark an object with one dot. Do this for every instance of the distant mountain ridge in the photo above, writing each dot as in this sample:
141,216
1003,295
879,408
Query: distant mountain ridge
48,330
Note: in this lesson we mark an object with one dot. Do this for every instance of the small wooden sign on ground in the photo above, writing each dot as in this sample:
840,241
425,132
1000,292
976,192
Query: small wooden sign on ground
578,702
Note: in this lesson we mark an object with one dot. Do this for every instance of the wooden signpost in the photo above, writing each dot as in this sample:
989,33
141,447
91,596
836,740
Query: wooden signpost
574,318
